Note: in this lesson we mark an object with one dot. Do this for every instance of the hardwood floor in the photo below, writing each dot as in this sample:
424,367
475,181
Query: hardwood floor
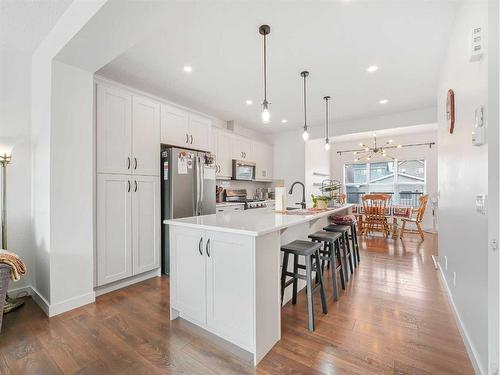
393,318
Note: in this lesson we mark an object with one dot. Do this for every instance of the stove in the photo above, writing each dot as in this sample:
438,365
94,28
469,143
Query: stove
240,196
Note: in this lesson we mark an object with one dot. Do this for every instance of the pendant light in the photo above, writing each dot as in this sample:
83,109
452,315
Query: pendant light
266,116
327,140
305,134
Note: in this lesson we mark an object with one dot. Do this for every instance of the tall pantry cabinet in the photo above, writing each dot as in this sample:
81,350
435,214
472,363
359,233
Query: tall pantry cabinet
128,184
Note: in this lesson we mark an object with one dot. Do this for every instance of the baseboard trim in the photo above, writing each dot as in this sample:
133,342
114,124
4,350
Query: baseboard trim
71,303
471,351
40,301
100,290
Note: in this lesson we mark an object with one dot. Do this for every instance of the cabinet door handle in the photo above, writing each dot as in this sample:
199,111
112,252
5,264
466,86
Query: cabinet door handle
135,163
199,246
128,162
191,139
128,188
207,248
187,138
135,190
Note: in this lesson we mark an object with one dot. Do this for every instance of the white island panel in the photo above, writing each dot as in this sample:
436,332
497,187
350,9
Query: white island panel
225,272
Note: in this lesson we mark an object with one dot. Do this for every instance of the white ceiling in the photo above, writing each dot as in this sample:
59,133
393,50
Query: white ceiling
25,23
335,41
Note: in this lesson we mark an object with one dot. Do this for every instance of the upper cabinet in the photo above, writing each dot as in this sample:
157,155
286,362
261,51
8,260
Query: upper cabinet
200,129
241,149
174,126
222,145
128,133
114,130
145,136
263,161
184,129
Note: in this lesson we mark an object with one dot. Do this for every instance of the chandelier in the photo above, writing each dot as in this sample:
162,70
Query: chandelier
367,152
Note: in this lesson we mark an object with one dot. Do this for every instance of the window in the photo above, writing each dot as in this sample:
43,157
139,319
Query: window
403,180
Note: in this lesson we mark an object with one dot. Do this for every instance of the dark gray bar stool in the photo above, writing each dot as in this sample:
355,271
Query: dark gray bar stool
344,230
331,254
351,221
310,251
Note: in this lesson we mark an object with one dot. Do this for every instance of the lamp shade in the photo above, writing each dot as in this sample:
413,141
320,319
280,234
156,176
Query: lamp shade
7,145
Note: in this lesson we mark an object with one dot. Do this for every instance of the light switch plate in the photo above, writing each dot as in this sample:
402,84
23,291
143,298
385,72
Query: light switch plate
481,203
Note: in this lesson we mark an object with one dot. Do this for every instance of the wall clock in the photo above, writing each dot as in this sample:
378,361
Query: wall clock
450,110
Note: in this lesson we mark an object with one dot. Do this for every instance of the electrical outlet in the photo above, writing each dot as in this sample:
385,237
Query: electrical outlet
454,279
445,263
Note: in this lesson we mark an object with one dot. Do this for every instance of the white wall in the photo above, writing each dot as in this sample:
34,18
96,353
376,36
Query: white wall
72,186
463,233
289,162
414,117
317,160
15,115
421,152
43,197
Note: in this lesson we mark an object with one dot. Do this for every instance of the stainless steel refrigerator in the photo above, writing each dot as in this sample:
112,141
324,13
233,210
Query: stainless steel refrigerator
187,189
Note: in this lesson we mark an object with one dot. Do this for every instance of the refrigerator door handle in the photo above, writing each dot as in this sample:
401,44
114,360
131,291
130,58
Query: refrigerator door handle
202,183
197,161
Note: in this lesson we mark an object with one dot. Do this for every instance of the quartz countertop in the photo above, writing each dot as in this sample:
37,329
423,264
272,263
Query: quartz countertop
252,222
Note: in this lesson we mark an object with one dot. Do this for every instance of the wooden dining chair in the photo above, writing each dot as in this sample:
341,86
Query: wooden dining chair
374,207
422,204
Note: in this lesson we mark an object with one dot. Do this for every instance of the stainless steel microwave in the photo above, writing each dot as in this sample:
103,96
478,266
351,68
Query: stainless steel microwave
243,170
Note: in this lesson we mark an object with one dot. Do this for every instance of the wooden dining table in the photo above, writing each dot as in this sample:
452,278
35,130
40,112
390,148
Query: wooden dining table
392,213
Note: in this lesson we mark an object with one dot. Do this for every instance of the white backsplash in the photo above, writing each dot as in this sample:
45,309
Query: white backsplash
250,186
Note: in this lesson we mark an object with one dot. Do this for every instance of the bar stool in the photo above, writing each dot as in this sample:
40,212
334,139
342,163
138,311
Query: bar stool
351,221
310,251
344,239
331,254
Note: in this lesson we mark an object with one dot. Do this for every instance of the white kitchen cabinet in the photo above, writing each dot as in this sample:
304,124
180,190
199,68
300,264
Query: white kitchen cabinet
128,226
188,289
230,287
145,136
222,150
230,208
241,149
114,224
128,133
184,129
200,129
212,282
145,223
263,161
174,126
114,130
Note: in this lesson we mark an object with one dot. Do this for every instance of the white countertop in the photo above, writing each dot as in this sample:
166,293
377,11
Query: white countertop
251,222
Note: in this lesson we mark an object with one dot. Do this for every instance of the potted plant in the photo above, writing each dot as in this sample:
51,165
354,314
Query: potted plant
320,201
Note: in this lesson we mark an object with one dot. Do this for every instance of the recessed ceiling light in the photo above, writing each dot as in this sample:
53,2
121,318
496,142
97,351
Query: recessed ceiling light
383,101
284,121
188,69
249,102
372,68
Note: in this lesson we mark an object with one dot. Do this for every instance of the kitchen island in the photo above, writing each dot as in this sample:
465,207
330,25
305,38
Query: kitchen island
225,271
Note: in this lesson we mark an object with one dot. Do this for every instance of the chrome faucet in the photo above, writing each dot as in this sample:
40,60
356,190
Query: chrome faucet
303,203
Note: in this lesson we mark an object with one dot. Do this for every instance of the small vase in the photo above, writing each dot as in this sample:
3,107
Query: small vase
322,204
